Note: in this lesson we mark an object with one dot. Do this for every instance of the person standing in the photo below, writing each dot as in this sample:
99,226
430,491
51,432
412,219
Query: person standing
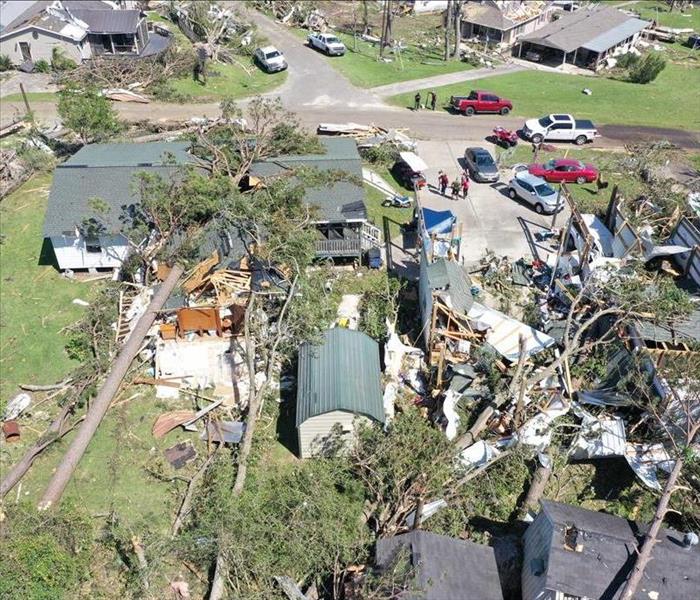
465,185
416,101
442,182
455,189
433,100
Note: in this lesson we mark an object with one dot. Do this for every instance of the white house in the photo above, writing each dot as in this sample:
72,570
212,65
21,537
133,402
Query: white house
80,29
92,198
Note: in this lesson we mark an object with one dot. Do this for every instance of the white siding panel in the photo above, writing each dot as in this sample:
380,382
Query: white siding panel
314,432
71,252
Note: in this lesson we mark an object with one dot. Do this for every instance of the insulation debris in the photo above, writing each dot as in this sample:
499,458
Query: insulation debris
477,455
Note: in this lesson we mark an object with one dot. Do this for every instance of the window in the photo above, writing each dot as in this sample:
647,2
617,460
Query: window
473,96
537,567
526,186
562,126
561,117
489,98
273,54
92,245
545,122
544,190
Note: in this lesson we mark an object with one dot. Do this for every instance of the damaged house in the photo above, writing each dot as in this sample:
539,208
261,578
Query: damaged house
338,385
340,217
444,568
570,552
584,38
503,22
80,29
92,195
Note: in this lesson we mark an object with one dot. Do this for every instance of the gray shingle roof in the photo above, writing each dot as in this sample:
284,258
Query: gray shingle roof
105,171
337,202
605,561
450,276
343,373
446,568
109,21
581,27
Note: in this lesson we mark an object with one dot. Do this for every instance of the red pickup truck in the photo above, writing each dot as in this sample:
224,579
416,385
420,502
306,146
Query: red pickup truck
481,102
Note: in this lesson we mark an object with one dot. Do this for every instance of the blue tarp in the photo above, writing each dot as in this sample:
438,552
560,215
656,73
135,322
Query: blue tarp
438,221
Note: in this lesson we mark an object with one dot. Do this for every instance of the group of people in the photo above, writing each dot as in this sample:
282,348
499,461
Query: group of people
430,100
457,186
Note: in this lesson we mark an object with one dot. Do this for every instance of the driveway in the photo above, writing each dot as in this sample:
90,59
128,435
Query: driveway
488,217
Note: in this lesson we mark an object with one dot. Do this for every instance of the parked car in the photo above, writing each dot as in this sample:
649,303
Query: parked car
408,171
534,56
565,170
535,191
481,102
559,128
270,59
326,43
481,165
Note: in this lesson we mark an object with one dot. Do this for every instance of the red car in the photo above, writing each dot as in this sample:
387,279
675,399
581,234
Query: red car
481,102
565,170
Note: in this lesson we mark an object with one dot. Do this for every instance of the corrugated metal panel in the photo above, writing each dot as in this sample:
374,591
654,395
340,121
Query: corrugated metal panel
342,373
686,234
616,35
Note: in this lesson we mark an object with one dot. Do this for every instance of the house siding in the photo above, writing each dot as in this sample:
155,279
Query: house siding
42,46
537,541
314,432
71,252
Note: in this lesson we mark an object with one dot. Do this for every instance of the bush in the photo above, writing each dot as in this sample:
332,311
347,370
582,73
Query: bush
5,63
628,60
59,61
42,66
648,68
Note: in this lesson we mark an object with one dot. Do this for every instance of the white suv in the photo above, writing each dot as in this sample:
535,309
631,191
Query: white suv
535,191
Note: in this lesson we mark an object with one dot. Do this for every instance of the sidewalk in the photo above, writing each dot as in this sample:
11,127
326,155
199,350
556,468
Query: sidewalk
438,80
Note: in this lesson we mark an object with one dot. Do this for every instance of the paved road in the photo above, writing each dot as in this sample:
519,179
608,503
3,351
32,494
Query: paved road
448,78
318,93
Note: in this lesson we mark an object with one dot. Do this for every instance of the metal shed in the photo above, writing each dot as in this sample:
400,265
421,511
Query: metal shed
338,381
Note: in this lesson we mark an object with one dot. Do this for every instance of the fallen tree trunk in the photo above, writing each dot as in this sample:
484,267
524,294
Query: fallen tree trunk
66,468
539,482
44,388
53,433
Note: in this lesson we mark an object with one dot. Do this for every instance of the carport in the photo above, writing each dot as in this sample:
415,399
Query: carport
583,38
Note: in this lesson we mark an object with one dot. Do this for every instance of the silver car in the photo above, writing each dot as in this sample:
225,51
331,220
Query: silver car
270,59
481,165
534,190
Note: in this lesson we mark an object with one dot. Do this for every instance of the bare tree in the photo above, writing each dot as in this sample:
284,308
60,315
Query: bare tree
678,417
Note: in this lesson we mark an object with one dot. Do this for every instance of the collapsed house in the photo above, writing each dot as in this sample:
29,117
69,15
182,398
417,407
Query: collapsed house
503,22
442,568
340,217
570,552
80,29
338,386
92,198
584,38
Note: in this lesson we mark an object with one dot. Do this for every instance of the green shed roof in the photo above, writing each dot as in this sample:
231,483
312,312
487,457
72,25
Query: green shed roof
342,373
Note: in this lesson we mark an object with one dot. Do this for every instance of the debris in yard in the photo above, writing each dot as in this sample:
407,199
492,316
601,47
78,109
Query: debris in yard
428,511
224,432
16,406
349,311
124,95
181,589
478,454
170,420
180,454
587,91
10,430
80,302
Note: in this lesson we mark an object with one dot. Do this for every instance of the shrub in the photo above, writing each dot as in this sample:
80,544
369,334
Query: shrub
42,66
628,60
60,62
5,62
648,68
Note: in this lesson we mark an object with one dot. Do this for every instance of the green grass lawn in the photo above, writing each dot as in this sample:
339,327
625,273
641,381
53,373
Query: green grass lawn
377,212
665,102
655,10
229,81
35,301
363,69
32,97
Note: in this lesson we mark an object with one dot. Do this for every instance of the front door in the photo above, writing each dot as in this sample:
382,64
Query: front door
26,53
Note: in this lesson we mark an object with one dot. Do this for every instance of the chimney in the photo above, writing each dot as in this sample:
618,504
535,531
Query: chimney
690,539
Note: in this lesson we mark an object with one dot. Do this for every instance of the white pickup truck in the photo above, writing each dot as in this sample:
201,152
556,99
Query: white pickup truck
327,43
562,128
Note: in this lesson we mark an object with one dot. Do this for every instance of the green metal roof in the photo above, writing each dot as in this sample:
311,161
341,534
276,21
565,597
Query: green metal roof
450,276
342,373
337,202
106,172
